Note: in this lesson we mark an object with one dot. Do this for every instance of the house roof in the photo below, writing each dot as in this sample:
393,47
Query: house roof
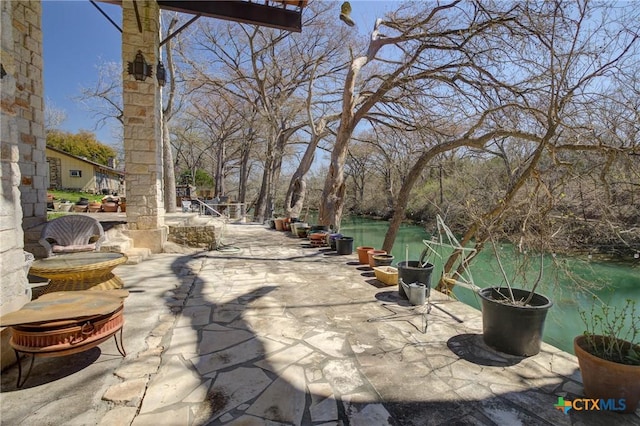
93,163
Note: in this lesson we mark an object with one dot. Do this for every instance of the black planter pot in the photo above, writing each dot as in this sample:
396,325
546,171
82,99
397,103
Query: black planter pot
515,330
412,271
332,240
344,245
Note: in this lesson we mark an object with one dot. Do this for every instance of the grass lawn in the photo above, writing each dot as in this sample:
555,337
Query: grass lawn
74,197
55,215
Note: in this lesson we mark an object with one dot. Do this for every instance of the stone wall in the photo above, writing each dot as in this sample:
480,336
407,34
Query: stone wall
55,170
23,198
30,103
202,236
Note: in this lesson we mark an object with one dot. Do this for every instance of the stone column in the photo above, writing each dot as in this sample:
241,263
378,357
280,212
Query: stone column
22,146
143,127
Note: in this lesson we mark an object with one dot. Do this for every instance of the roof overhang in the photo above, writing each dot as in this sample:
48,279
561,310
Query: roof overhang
276,16
282,14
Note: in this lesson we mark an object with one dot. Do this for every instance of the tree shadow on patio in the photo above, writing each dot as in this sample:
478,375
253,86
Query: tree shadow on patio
232,373
248,348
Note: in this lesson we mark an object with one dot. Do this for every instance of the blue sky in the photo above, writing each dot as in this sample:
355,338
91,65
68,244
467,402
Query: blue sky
77,38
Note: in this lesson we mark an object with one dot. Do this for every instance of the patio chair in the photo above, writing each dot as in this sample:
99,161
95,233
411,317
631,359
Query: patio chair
72,233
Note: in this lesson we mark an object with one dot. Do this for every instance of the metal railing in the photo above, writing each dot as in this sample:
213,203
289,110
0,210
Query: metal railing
203,208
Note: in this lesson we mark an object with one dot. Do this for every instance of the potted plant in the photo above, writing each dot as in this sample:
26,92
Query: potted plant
608,353
513,318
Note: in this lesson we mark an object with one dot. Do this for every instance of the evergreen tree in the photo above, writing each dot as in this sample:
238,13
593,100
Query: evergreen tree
82,144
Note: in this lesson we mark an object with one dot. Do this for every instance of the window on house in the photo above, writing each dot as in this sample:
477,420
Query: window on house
75,173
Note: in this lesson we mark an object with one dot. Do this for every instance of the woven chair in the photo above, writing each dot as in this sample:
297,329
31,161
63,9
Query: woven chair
72,233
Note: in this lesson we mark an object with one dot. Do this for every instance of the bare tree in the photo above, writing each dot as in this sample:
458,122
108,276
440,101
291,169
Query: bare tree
220,122
53,116
104,99
249,136
441,33
269,69
571,57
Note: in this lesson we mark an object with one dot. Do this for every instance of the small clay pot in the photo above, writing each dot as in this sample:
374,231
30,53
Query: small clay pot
373,252
382,260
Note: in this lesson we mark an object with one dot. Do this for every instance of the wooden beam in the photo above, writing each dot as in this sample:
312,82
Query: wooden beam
240,11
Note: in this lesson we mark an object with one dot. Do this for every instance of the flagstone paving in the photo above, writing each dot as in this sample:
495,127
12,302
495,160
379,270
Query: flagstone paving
278,333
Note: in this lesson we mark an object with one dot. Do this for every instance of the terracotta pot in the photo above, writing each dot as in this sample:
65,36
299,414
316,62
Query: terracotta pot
363,257
606,380
279,224
123,206
372,253
318,239
110,206
95,207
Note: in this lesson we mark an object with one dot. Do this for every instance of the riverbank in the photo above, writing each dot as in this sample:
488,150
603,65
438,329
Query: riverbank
577,240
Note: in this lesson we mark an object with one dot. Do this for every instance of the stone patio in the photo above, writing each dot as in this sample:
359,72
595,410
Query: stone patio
271,331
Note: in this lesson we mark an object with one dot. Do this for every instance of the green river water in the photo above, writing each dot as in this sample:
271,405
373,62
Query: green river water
615,282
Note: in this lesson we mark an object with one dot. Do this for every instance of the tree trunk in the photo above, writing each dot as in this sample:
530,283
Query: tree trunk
265,189
169,171
244,173
400,205
296,193
388,181
220,188
295,197
334,185
169,179
275,171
